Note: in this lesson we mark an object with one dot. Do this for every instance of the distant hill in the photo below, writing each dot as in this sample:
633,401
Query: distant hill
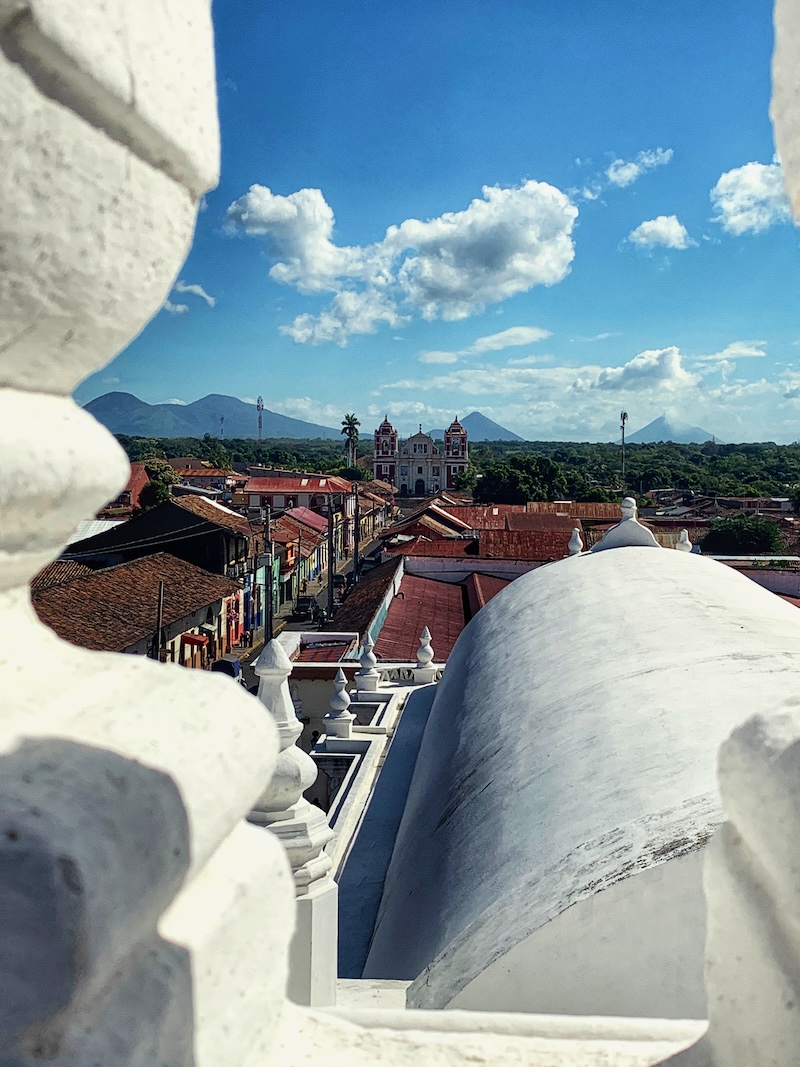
479,428
125,413
666,429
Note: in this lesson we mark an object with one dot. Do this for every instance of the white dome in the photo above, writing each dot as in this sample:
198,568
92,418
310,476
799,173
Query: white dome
571,745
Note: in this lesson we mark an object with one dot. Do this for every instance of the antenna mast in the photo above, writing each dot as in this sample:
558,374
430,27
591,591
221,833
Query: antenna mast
222,426
259,409
623,418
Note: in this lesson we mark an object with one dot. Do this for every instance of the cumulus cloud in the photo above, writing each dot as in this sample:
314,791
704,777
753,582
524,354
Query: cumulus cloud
624,172
750,199
175,400
656,366
736,350
349,313
195,290
664,230
310,409
175,309
449,267
493,342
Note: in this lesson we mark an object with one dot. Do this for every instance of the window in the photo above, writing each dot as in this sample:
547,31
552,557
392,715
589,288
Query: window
415,448
419,470
425,449
435,472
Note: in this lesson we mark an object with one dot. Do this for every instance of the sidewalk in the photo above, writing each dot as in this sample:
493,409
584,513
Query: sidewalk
318,588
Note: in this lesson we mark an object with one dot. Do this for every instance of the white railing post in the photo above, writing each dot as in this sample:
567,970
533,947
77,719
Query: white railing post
368,677
304,832
424,672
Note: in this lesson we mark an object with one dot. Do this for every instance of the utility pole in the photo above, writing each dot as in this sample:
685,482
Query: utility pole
159,622
268,574
356,532
331,555
298,571
623,418
259,409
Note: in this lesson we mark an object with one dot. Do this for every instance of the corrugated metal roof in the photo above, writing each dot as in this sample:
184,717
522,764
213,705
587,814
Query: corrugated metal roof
421,602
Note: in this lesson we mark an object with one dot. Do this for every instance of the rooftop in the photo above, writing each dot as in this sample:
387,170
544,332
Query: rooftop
115,608
421,602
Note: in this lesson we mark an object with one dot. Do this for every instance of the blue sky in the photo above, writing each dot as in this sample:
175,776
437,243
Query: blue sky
544,211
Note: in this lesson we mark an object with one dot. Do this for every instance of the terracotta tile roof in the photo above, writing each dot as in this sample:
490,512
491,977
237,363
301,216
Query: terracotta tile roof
113,609
308,518
293,486
421,602
588,511
216,513
62,570
362,603
481,588
286,532
535,545
532,520
138,479
539,545
484,516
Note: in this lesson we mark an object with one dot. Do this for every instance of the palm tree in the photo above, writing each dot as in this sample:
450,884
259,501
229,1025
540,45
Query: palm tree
350,425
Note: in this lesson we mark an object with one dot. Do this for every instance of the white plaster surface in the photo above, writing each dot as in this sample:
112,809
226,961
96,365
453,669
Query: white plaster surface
538,786
785,105
638,943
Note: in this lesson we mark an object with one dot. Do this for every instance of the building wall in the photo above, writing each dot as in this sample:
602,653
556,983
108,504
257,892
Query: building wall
635,949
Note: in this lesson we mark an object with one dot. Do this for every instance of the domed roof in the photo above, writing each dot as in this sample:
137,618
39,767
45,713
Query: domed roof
455,427
572,744
386,426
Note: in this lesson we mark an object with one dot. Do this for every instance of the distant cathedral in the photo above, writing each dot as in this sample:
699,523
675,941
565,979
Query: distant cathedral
416,466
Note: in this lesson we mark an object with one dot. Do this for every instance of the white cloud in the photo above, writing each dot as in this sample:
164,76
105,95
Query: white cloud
306,407
750,199
736,350
622,172
656,366
664,230
175,400
175,309
195,290
513,337
449,267
349,313
504,244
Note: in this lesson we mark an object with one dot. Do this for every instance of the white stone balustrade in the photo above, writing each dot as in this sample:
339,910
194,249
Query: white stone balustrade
132,889
368,677
304,832
339,720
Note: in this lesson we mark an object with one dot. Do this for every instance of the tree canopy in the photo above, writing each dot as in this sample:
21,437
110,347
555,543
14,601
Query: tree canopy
743,535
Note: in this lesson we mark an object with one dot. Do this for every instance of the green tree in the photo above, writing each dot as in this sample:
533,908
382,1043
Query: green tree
157,490
350,425
466,480
743,535
519,479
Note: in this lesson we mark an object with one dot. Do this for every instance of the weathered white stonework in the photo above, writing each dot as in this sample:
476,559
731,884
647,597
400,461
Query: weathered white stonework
628,533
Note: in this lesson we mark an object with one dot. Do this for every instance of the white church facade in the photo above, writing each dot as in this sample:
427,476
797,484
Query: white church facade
417,466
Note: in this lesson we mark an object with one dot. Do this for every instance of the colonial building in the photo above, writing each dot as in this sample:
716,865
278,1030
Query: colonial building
417,466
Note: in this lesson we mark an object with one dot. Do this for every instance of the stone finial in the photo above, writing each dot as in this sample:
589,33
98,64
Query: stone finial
629,509
424,672
424,652
576,543
368,677
628,532
684,544
339,720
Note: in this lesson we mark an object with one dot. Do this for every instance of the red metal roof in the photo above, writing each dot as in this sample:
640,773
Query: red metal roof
484,516
303,483
536,545
421,602
322,652
481,588
308,518
138,479
588,511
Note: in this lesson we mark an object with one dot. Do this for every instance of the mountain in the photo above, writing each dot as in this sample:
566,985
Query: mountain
479,428
125,413
666,429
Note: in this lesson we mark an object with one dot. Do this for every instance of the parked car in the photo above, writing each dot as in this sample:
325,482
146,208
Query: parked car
306,607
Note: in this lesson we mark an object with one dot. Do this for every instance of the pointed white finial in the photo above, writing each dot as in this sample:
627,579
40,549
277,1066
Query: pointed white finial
425,652
576,543
628,532
368,677
684,544
339,720
424,672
